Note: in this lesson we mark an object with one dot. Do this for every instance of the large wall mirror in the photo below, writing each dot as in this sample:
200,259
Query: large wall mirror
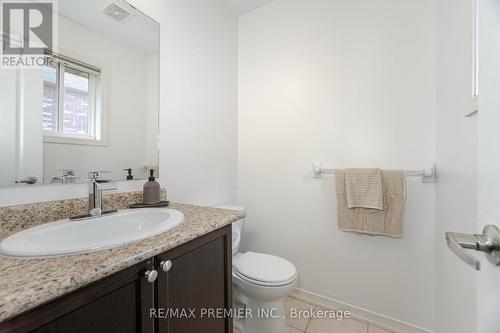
93,107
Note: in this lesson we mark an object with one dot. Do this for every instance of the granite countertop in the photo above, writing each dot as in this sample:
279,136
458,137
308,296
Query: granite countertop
27,283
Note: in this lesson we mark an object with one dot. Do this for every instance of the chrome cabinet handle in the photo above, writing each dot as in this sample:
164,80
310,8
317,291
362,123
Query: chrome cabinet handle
166,265
488,242
151,275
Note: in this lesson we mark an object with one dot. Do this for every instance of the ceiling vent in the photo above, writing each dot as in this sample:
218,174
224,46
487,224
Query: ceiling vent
120,11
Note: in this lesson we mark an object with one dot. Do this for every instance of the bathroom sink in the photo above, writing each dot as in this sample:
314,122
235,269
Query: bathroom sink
72,237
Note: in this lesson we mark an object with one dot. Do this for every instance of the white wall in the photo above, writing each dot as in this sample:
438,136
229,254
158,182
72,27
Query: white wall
8,83
21,134
198,105
125,78
29,120
456,153
352,83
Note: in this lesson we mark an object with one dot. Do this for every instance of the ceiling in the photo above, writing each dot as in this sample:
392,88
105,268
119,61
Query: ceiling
139,32
243,6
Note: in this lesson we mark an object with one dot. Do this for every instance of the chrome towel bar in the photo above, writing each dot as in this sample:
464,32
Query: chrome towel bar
428,172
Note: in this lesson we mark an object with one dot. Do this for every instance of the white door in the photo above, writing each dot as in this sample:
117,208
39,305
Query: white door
488,279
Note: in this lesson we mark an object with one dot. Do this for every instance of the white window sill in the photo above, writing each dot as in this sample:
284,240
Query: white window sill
73,140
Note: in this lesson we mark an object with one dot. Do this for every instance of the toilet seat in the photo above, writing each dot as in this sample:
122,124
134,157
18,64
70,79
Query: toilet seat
264,269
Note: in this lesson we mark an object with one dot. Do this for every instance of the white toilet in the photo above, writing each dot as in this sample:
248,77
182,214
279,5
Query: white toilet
260,284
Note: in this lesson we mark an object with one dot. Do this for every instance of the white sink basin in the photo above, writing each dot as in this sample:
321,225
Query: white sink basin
71,237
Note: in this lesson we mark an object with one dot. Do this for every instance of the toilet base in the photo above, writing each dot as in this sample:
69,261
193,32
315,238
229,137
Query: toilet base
259,307
259,317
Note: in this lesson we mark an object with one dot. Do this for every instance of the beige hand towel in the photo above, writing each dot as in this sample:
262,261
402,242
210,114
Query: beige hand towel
388,222
364,188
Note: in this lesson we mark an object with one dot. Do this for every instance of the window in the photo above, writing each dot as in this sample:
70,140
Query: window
71,102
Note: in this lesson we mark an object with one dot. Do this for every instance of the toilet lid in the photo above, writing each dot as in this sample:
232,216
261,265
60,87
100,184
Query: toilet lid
265,268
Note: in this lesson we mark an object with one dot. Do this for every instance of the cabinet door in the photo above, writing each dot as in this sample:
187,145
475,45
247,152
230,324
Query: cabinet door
199,280
119,303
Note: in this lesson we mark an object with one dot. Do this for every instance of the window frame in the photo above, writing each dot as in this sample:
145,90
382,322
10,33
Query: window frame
97,114
472,60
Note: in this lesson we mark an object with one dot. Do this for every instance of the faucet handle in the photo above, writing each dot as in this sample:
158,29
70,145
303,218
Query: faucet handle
93,175
68,172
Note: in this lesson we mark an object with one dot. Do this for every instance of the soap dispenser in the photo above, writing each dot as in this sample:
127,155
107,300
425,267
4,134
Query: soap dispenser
151,193
129,174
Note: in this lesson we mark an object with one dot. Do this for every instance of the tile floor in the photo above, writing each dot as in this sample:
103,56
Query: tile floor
305,325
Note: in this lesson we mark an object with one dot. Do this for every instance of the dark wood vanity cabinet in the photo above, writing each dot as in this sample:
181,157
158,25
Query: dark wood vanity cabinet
198,282
189,296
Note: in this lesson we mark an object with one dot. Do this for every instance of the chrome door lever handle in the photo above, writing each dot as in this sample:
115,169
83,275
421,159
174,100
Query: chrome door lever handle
458,243
488,242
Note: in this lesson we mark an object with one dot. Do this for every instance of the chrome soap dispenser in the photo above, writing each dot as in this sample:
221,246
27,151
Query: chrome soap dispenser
151,192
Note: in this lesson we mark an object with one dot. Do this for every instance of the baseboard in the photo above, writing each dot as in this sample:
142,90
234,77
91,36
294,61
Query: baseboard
361,314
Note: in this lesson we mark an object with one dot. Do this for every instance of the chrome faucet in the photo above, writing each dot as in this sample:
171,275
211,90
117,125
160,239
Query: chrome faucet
96,187
68,177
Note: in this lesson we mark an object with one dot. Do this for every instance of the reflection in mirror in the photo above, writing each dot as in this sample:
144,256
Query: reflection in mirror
93,107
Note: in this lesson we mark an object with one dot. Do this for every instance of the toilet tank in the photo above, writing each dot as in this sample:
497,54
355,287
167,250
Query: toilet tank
237,227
